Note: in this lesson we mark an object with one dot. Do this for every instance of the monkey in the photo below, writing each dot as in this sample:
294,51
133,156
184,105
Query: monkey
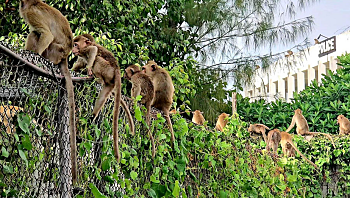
273,140
164,90
222,121
51,37
303,127
289,148
198,118
6,114
105,67
258,129
142,85
344,125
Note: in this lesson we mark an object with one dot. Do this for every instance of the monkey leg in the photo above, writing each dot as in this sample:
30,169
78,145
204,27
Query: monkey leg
131,121
55,53
71,111
264,135
102,97
44,41
167,117
32,40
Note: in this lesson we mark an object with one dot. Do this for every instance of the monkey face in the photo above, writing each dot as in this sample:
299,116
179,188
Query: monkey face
298,111
340,117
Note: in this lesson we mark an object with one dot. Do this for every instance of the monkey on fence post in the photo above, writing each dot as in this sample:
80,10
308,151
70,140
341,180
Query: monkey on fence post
51,36
101,62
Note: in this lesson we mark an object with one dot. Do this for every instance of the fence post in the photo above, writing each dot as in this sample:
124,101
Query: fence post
234,103
64,142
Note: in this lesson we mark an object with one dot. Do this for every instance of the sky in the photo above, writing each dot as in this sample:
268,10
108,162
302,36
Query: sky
331,17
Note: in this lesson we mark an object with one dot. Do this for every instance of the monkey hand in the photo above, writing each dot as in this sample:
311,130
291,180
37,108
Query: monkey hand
89,71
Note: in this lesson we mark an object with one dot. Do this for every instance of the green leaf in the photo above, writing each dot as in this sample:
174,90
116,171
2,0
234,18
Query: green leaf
23,156
106,164
133,175
138,114
4,152
96,192
181,165
176,191
152,193
26,142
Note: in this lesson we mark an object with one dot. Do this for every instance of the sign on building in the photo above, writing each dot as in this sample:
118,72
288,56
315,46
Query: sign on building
327,46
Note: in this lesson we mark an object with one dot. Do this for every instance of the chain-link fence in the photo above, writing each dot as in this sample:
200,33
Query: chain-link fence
34,130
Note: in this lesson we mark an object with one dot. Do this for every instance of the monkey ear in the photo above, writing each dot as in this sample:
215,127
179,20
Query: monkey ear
153,67
132,71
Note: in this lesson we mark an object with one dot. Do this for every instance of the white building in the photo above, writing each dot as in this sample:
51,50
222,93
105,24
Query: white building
296,71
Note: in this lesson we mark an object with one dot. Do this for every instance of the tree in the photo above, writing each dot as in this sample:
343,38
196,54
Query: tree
174,31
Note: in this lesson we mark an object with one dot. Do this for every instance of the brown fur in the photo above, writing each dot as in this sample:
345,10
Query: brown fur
258,129
6,114
222,121
289,148
273,140
51,36
303,127
97,58
344,125
164,90
198,118
142,85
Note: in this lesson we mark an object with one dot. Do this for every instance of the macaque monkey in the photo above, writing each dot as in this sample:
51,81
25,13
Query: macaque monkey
51,36
222,121
273,140
289,148
104,66
164,90
198,117
344,125
303,127
142,85
6,114
258,129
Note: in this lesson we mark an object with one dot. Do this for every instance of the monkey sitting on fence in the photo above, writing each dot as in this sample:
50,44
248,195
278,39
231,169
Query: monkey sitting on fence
142,85
101,62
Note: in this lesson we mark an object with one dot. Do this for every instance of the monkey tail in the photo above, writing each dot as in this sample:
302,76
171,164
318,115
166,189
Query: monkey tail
71,112
131,121
117,88
325,134
291,143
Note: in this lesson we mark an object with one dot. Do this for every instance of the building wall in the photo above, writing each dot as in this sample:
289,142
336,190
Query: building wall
294,72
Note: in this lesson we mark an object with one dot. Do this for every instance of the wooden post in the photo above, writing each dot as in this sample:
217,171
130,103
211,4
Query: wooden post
234,103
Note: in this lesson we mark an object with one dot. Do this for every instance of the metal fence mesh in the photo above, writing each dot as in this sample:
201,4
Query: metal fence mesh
36,114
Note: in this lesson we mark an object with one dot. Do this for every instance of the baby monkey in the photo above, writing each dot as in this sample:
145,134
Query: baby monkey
142,85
